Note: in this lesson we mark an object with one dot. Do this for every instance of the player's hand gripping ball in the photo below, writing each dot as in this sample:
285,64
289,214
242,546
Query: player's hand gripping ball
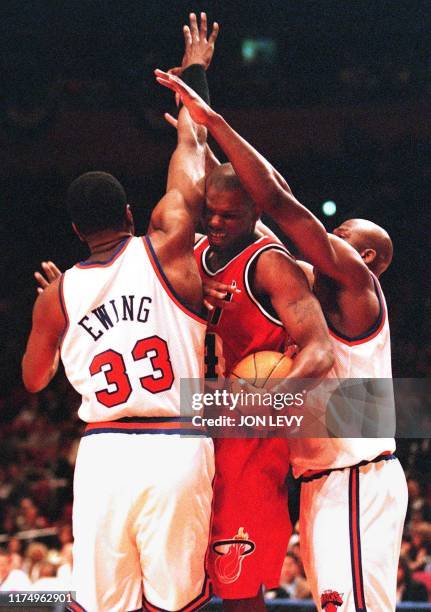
263,369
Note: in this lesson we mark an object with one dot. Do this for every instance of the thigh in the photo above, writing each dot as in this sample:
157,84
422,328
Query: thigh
251,525
383,499
325,538
351,524
106,567
172,524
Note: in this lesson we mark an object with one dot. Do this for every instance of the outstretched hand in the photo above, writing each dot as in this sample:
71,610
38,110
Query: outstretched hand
198,49
199,110
51,274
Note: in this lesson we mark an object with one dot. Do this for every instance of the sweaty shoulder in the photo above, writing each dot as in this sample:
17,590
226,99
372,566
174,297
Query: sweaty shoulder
173,243
171,225
274,267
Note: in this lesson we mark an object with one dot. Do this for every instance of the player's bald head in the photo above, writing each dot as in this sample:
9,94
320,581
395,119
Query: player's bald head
224,178
370,240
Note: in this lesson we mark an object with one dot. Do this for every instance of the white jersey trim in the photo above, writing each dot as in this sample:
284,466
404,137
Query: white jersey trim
164,281
250,294
204,252
373,331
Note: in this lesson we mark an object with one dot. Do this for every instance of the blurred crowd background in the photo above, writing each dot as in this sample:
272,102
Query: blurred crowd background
335,94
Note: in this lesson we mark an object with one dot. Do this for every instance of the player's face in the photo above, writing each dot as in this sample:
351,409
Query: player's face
228,218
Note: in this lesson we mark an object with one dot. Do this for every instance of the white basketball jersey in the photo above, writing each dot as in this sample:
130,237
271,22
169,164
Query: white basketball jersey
363,357
129,340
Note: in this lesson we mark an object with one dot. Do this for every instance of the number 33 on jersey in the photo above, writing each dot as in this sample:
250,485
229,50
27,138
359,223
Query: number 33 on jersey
112,349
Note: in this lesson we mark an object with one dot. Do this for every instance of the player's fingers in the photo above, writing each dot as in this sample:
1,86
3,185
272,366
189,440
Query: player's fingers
170,119
176,80
161,73
208,305
203,26
221,287
213,284
194,27
187,36
214,33
52,271
220,295
166,83
176,84
217,294
169,80
41,280
177,71
39,290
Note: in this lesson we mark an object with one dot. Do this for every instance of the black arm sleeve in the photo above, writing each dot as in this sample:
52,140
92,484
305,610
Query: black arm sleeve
195,77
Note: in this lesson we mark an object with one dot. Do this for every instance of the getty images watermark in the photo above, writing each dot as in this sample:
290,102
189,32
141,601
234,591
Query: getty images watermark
223,399
331,408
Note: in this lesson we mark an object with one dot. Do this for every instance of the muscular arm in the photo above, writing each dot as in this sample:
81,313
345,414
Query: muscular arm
178,211
331,256
41,356
281,279
307,268
176,215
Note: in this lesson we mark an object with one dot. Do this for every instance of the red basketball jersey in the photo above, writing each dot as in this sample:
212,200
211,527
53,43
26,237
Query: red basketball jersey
250,494
247,328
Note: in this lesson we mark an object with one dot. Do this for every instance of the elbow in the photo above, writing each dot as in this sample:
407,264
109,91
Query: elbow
201,135
31,384
274,191
276,197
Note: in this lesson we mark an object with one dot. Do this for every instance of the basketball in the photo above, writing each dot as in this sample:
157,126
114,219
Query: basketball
263,367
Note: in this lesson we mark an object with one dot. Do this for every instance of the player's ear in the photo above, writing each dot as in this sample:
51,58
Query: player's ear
368,255
130,220
78,233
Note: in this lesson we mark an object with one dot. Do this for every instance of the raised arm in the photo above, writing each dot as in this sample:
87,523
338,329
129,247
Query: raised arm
331,255
198,47
185,184
177,213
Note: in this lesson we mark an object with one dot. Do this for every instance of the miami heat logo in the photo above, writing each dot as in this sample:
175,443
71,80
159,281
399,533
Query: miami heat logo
330,601
231,554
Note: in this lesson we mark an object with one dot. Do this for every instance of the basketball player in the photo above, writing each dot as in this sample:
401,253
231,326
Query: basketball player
354,495
269,304
127,322
266,303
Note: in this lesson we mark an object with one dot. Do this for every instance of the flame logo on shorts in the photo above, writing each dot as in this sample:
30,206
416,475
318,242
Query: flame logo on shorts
231,553
330,600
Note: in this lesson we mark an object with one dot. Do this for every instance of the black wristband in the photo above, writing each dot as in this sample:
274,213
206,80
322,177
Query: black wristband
195,77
